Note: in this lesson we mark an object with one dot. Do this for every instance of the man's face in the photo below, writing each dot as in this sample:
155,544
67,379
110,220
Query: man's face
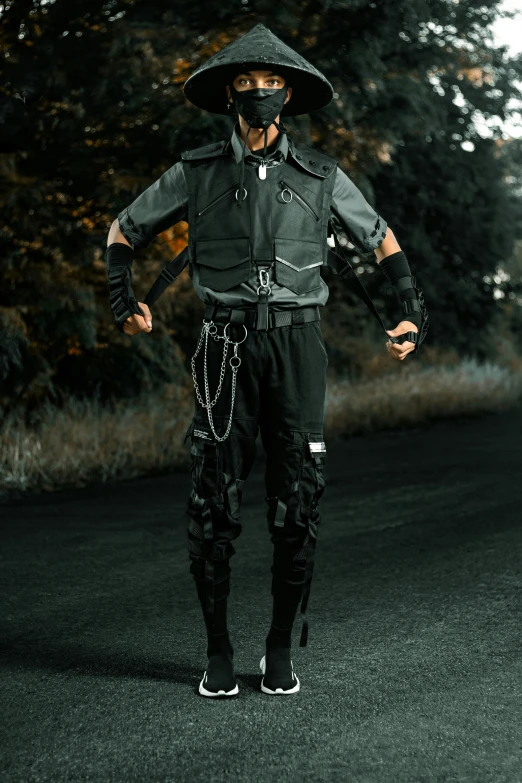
249,80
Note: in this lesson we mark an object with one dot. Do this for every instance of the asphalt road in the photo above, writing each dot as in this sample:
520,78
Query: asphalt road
413,670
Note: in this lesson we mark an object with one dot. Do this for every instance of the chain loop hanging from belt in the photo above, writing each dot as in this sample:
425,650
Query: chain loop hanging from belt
210,328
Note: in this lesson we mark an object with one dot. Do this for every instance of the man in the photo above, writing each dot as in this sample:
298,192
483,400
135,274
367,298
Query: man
259,208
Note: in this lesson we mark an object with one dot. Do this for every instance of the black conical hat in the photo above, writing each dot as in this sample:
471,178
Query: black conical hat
261,49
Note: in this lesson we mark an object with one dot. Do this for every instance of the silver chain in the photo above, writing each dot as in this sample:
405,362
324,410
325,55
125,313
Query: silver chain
210,328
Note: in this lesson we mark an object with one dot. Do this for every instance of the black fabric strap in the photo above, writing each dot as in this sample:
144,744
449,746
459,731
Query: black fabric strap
249,317
338,261
262,311
167,276
410,306
340,264
403,284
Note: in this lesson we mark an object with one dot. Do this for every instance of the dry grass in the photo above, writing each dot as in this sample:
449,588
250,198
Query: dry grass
414,394
86,442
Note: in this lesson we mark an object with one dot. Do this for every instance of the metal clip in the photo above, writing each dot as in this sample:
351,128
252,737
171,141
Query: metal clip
264,280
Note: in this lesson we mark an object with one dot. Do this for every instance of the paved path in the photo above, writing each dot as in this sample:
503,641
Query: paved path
413,670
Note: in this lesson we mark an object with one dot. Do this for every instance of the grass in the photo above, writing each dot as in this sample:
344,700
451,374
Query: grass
85,441
417,395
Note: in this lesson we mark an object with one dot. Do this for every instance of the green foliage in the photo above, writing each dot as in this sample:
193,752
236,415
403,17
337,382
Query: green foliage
92,112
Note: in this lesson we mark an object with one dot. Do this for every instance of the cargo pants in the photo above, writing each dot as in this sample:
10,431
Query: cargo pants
280,392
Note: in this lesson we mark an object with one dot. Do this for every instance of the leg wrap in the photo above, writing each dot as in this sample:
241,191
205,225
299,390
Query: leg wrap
216,618
208,551
213,516
293,524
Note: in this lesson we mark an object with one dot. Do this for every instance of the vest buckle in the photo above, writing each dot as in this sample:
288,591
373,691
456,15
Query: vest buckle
264,280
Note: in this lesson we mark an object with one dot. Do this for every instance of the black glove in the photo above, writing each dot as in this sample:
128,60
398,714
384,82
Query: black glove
397,271
123,303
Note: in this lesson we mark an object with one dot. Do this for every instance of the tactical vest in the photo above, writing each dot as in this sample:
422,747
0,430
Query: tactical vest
289,227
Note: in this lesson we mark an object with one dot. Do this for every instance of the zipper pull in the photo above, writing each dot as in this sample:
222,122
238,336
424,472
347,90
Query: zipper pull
262,170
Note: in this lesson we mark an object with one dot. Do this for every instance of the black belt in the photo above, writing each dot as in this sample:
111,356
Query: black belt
249,317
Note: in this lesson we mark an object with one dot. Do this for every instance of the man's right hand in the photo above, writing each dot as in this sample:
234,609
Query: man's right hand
136,323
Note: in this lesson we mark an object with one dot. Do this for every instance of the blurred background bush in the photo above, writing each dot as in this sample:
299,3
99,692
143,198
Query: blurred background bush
92,112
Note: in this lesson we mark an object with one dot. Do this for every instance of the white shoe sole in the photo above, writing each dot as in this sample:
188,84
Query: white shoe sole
278,691
212,694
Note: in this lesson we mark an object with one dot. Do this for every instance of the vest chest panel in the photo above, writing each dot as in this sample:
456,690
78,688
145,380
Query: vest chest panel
282,219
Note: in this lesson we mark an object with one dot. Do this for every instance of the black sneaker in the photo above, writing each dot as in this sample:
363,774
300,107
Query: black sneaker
275,690
218,678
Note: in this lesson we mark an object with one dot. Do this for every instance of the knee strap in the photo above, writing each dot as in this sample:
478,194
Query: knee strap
309,569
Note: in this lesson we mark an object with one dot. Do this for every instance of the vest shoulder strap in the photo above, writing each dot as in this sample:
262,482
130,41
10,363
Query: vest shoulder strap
311,160
208,151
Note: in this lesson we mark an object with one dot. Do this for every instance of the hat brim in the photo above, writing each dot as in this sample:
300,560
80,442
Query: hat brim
206,88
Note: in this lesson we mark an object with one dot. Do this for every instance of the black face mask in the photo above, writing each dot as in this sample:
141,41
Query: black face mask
259,107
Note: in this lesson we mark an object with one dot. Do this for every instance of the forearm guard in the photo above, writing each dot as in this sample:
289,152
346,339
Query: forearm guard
122,300
397,271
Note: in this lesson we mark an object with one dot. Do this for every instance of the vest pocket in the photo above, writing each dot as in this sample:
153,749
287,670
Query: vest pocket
301,200
223,263
222,196
298,264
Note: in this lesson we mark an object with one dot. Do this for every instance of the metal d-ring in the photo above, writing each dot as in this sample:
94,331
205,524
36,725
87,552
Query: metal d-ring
232,341
238,360
287,190
246,193
211,327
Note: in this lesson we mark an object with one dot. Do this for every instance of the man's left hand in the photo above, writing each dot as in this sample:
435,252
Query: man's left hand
401,350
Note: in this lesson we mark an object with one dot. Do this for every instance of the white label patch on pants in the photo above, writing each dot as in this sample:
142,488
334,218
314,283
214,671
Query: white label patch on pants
202,434
317,450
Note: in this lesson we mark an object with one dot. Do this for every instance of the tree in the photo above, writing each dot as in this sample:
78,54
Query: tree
92,112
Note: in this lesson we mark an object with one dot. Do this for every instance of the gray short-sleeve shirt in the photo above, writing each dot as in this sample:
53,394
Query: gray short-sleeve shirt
165,203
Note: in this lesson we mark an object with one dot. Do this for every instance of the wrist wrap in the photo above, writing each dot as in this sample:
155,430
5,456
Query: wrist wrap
397,271
122,300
